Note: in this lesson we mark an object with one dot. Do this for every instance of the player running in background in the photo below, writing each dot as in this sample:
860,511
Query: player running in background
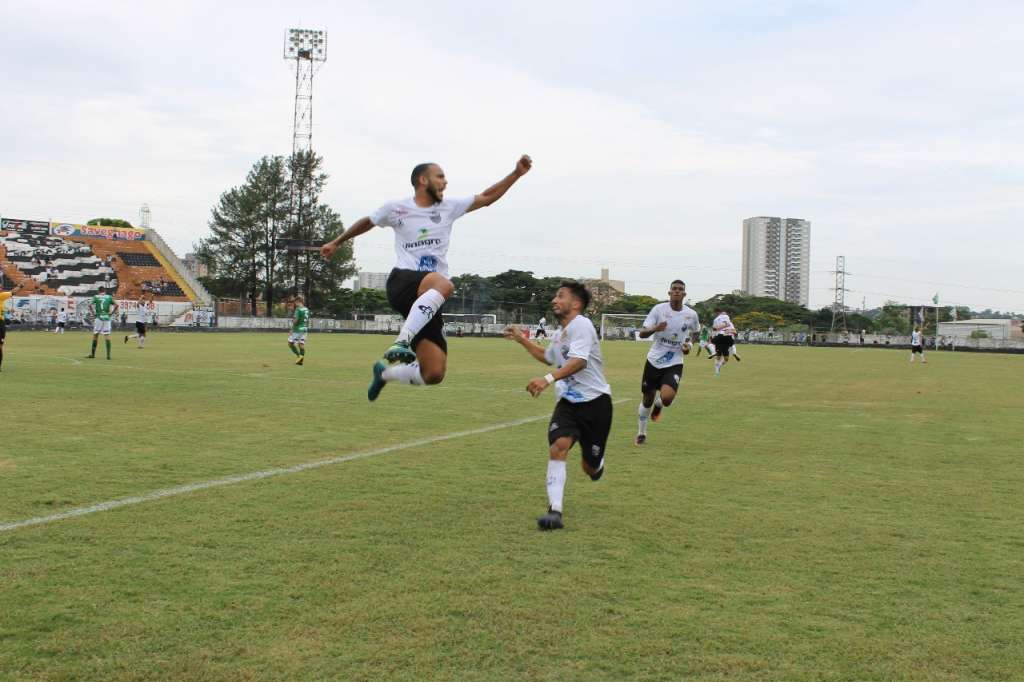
541,331
673,326
705,341
584,409
140,324
62,321
916,345
300,327
103,307
724,337
4,295
418,285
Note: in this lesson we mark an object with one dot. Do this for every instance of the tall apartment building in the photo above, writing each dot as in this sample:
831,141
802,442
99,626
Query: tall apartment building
777,258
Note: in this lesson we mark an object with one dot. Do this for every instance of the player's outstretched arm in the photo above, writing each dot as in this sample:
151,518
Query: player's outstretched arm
514,333
537,386
361,226
498,189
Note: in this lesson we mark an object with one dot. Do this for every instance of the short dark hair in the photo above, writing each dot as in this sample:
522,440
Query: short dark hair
418,172
578,290
677,281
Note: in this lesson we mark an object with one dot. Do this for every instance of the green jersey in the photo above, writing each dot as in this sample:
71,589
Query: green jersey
703,333
301,322
102,305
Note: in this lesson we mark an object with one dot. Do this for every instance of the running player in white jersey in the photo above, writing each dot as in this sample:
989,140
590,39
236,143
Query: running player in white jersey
724,336
673,326
418,285
140,325
62,321
541,331
584,409
917,344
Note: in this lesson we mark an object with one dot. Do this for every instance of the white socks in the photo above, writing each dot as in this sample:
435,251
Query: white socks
423,309
645,415
556,484
406,374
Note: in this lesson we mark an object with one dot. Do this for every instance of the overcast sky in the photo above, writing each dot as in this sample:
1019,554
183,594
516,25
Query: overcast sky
655,128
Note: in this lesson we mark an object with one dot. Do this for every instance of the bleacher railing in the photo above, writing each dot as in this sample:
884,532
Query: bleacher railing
156,240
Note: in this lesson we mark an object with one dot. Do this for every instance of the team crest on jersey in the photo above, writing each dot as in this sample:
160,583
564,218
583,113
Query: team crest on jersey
435,216
423,233
565,352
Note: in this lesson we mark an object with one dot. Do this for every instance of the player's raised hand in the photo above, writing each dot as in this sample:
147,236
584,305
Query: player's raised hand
524,164
328,249
512,333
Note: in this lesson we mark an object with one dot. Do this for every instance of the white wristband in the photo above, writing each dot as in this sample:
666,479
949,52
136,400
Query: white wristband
550,377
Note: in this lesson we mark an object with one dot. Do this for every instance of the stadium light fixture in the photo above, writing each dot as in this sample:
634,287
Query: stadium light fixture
304,43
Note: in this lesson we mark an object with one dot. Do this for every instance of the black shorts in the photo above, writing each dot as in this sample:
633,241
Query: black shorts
402,289
655,378
60,325
723,342
916,349
588,423
140,328
541,332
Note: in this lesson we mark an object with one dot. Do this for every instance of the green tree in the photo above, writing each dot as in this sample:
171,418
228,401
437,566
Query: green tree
756,319
109,222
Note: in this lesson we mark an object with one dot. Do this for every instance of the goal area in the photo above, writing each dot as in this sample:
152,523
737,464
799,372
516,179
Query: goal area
621,327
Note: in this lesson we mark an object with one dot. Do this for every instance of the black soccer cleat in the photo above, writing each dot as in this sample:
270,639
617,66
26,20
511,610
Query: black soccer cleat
600,472
377,384
550,521
656,412
640,439
400,351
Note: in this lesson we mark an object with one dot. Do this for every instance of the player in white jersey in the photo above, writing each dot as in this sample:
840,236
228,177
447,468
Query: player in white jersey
583,412
140,324
541,331
917,344
673,326
418,285
62,321
724,336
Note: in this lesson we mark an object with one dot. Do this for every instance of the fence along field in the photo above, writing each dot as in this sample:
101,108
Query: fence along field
814,513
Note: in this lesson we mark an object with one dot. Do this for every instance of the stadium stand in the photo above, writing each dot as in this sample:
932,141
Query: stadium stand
77,266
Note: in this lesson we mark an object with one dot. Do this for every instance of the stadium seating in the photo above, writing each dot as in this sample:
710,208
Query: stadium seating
77,266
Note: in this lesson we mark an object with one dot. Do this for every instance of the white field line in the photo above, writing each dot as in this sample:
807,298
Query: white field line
257,475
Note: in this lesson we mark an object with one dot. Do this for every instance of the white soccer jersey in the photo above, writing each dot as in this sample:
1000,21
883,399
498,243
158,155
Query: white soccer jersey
62,316
667,348
723,325
543,321
141,314
578,340
422,235
915,339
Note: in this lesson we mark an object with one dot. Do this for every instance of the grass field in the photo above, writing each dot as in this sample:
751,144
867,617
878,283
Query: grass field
812,514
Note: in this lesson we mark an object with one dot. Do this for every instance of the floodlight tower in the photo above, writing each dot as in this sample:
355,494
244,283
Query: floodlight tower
839,301
144,216
305,47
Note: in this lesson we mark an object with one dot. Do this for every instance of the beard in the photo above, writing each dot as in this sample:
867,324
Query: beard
434,195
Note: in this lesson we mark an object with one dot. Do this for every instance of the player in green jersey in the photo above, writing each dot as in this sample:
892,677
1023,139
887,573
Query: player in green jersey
103,308
300,326
705,342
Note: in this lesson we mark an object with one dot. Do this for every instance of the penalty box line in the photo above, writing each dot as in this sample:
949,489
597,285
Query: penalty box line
257,475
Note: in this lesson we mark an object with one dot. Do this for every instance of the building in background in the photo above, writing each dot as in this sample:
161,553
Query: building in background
370,280
197,267
605,291
777,258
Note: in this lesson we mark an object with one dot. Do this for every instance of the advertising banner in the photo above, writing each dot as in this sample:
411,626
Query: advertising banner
96,231
30,226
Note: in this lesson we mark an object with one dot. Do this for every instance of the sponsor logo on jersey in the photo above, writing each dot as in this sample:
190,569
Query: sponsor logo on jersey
435,216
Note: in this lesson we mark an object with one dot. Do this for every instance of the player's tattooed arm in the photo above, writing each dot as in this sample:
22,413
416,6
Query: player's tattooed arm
361,226
573,365
498,189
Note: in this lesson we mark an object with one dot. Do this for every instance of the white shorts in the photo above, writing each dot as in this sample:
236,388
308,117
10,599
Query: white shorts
297,338
101,326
